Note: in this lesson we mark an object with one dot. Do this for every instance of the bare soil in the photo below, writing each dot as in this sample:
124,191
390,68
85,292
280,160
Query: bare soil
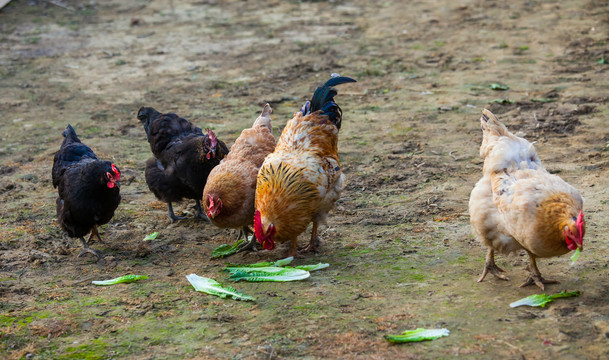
399,243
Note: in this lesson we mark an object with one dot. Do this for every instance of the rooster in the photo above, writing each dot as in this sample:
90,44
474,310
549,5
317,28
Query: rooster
302,179
88,189
228,197
183,158
519,205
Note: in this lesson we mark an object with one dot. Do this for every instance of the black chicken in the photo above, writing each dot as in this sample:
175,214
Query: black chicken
88,189
183,158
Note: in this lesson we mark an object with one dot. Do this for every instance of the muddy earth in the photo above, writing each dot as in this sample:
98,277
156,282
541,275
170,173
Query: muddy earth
399,243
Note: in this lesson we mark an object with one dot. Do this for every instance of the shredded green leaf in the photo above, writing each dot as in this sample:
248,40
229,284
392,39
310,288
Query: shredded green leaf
542,299
212,287
284,262
122,279
501,87
312,267
575,256
502,101
269,273
281,262
151,236
226,249
419,334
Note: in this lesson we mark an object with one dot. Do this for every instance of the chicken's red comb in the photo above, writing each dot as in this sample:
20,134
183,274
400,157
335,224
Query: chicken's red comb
258,226
116,172
212,138
211,201
580,222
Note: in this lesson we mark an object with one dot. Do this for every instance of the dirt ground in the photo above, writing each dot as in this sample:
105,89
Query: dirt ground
399,243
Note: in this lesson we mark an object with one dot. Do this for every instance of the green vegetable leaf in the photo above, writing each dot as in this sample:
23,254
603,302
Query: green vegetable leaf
269,273
575,256
122,279
282,262
545,100
500,87
602,61
151,236
501,101
226,249
542,299
312,267
419,334
212,287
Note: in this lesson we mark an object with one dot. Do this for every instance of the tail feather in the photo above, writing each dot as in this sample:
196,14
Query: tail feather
265,118
70,134
145,115
492,125
326,92
323,99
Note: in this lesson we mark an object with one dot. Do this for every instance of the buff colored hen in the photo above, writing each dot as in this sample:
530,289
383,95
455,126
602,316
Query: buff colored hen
519,205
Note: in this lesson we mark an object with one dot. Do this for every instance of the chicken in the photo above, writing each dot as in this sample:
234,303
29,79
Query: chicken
302,179
228,197
519,205
183,158
89,190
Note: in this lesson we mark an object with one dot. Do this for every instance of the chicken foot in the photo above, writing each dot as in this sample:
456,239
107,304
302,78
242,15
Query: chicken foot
490,266
249,244
314,242
87,249
534,277
199,211
173,217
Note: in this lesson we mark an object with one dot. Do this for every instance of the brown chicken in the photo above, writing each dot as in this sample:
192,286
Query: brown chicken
519,205
228,197
302,179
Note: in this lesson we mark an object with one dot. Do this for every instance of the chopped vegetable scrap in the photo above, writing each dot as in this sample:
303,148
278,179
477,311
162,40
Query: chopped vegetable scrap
419,334
542,299
212,287
122,279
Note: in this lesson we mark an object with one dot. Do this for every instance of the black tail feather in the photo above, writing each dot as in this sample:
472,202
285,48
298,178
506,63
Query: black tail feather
323,99
326,92
145,115
70,133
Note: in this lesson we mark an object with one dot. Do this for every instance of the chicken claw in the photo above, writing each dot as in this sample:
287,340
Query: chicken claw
250,243
490,266
86,249
313,243
534,279
199,212
535,276
172,216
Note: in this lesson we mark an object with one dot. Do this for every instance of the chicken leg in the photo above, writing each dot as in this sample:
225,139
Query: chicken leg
314,242
199,212
173,217
490,266
534,277
87,249
95,232
249,244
